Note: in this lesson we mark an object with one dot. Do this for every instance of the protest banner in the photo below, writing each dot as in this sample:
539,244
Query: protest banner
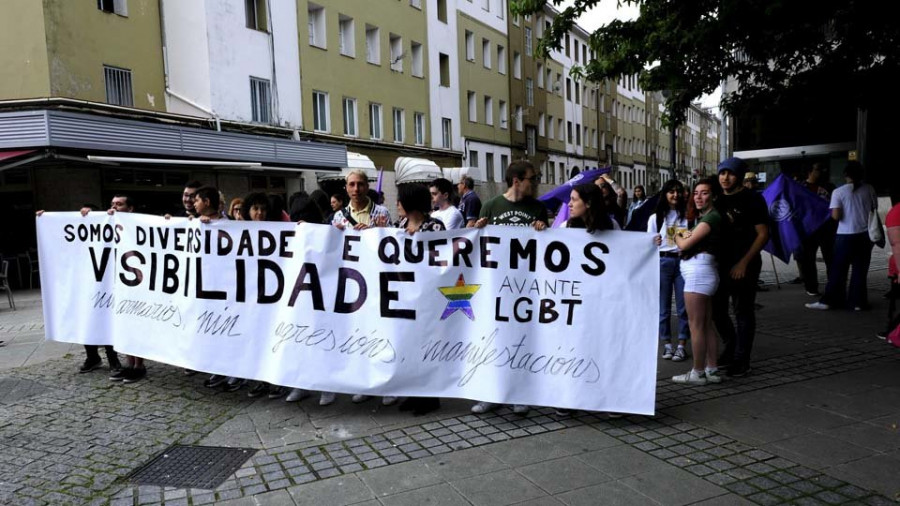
556,318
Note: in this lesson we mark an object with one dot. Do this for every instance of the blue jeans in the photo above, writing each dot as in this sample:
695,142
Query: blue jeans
850,251
670,279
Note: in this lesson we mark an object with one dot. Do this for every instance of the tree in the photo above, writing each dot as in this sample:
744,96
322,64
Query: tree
777,52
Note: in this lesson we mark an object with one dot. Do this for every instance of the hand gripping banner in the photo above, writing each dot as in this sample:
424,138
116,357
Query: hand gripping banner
558,318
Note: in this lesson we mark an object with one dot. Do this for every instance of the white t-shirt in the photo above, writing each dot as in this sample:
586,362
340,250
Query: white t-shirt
451,217
855,207
672,226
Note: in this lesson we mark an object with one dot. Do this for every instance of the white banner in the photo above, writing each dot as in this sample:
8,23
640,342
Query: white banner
557,318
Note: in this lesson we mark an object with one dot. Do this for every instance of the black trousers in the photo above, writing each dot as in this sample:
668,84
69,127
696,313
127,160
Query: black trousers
741,295
93,354
823,239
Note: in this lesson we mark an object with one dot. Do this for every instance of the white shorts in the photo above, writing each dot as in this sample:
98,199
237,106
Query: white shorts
701,274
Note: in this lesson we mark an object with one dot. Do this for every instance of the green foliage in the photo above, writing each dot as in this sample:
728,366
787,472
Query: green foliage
774,51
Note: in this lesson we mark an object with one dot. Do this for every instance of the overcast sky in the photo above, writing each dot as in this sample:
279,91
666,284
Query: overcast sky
608,10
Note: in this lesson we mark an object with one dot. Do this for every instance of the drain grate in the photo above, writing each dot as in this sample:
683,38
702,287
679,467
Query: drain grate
204,467
16,389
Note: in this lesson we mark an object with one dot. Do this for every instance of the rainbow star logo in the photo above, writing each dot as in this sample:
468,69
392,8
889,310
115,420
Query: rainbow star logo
459,296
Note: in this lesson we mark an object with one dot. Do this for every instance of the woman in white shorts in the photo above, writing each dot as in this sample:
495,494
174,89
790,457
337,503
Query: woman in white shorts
701,279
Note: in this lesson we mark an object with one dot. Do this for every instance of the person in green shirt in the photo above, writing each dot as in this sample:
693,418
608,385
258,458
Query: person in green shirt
701,279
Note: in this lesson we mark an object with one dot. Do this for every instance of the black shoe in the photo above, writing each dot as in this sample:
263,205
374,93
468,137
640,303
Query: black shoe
120,375
739,370
135,375
115,366
426,405
214,381
260,389
882,334
234,384
277,392
408,404
90,365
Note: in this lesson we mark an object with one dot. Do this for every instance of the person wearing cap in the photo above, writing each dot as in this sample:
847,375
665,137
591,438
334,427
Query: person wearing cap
745,232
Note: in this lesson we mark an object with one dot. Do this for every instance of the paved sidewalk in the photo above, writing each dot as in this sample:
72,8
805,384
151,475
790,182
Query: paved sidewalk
815,423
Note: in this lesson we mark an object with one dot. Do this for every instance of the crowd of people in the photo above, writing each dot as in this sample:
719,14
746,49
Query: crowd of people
709,237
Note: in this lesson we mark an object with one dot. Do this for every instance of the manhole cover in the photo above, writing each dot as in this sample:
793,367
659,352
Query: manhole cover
203,467
16,389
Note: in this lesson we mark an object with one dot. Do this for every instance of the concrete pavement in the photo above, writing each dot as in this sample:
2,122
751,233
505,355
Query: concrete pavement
815,423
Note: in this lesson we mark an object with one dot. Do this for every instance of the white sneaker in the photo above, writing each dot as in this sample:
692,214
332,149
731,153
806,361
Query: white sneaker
521,409
297,394
360,398
691,377
388,400
679,354
483,407
817,306
667,352
327,398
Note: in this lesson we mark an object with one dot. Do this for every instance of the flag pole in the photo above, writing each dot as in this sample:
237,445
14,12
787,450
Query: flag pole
777,283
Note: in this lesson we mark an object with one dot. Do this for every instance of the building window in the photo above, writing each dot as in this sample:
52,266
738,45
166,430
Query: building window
320,111
397,53
559,130
569,89
419,123
577,93
473,158
541,128
418,64
119,7
375,121
118,86
576,50
540,76
445,69
504,163
473,111
442,10
529,91
519,118
489,166
488,111
550,83
551,172
373,44
530,140
486,53
346,34
255,11
504,114
528,49
470,46
578,135
567,44
260,100
316,25
446,133
558,84
517,65
584,54
486,5
569,132
501,59
550,129
350,125
515,19
399,124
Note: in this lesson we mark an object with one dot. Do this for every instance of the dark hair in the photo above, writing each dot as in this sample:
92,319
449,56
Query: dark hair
342,198
517,170
210,193
276,207
443,186
596,216
692,212
414,197
643,191
193,184
256,199
128,200
469,182
302,207
610,200
854,170
320,198
662,204
375,196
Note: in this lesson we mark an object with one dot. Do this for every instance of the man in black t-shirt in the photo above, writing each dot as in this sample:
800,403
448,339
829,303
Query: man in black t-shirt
745,231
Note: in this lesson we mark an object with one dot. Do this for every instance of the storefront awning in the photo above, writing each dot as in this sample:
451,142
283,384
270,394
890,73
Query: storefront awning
6,155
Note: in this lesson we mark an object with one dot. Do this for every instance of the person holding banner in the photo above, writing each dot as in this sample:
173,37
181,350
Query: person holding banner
447,213
670,219
469,203
517,207
699,247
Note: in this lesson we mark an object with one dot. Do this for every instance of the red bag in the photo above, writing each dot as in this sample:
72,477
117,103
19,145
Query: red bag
894,337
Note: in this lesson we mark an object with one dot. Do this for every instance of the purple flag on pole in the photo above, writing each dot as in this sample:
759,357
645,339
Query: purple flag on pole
380,179
795,212
559,196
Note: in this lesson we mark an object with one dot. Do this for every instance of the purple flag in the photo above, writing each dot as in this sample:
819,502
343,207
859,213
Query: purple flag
559,196
380,179
795,212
